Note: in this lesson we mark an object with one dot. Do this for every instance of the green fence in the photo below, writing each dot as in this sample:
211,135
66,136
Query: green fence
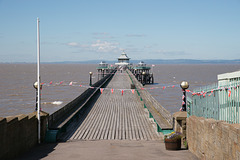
219,101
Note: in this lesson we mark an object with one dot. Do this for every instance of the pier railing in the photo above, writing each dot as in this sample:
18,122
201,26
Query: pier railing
160,115
217,101
62,117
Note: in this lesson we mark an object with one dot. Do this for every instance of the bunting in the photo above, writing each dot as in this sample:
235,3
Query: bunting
163,87
132,91
101,90
122,92
229,92
183,97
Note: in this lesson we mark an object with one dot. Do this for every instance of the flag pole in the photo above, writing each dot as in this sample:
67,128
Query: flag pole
38,80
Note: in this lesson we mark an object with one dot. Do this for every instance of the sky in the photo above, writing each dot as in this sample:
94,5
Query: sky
80,30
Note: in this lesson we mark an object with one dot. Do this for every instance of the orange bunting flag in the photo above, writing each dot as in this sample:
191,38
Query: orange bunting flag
173,86
229,92
101,90
163,88
50,82
183,102
122,92
142,88
212,91
112,91
61,82
80,85
133,91
204,94
183,97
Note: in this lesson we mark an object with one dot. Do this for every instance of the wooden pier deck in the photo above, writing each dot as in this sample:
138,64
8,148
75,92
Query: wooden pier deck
115,116
116,127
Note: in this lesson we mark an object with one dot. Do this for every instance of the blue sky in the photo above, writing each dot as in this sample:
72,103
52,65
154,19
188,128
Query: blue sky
78,30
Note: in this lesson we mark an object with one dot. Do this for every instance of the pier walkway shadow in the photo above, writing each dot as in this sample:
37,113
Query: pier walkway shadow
107,150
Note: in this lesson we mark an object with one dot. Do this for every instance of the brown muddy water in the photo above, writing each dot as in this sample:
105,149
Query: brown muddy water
17,94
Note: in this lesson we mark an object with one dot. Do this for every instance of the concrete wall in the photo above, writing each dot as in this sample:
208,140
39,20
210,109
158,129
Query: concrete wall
19,133
213,139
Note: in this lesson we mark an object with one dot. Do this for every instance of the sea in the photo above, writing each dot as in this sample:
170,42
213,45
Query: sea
64,82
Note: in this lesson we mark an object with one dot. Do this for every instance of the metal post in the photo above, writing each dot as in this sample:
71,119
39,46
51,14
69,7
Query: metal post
98,74
38,80
184,85
36,99
90,83
184,100
143,78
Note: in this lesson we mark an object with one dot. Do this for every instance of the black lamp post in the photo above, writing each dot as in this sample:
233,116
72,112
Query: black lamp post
102,73
184,85
35,85
90,83
144,78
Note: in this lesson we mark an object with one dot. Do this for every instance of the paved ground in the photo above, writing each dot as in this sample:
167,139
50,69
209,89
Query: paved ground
107,150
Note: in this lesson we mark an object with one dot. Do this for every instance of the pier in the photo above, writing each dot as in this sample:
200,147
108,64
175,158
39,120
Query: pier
113,125
115,116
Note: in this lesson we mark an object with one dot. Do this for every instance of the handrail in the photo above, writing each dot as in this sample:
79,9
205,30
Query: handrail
64,115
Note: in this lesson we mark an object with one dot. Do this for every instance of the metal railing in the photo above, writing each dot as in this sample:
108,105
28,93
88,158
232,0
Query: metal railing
217,101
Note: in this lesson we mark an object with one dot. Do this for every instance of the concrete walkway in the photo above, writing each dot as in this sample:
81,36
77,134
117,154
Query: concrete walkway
107,150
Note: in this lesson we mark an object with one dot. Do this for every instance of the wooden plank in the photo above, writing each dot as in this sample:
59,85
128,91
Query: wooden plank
114,116
96,120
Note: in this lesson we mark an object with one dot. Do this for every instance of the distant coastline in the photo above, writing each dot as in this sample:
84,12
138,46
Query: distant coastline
147,61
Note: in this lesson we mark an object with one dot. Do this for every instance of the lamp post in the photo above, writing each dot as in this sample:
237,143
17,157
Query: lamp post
102,73
90,83
143,78
35,85
184,85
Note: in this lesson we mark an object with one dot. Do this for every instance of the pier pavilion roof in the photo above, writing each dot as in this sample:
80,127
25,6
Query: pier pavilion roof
102,65
142,65
123,56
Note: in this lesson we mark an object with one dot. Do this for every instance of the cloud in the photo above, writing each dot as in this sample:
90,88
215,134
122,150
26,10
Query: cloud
97,46
136,35
73,44
104,46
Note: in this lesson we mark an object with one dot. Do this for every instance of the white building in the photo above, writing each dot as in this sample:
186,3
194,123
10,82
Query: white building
123,60
228,78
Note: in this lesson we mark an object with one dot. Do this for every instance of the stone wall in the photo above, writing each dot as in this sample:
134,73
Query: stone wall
20,133
213,139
